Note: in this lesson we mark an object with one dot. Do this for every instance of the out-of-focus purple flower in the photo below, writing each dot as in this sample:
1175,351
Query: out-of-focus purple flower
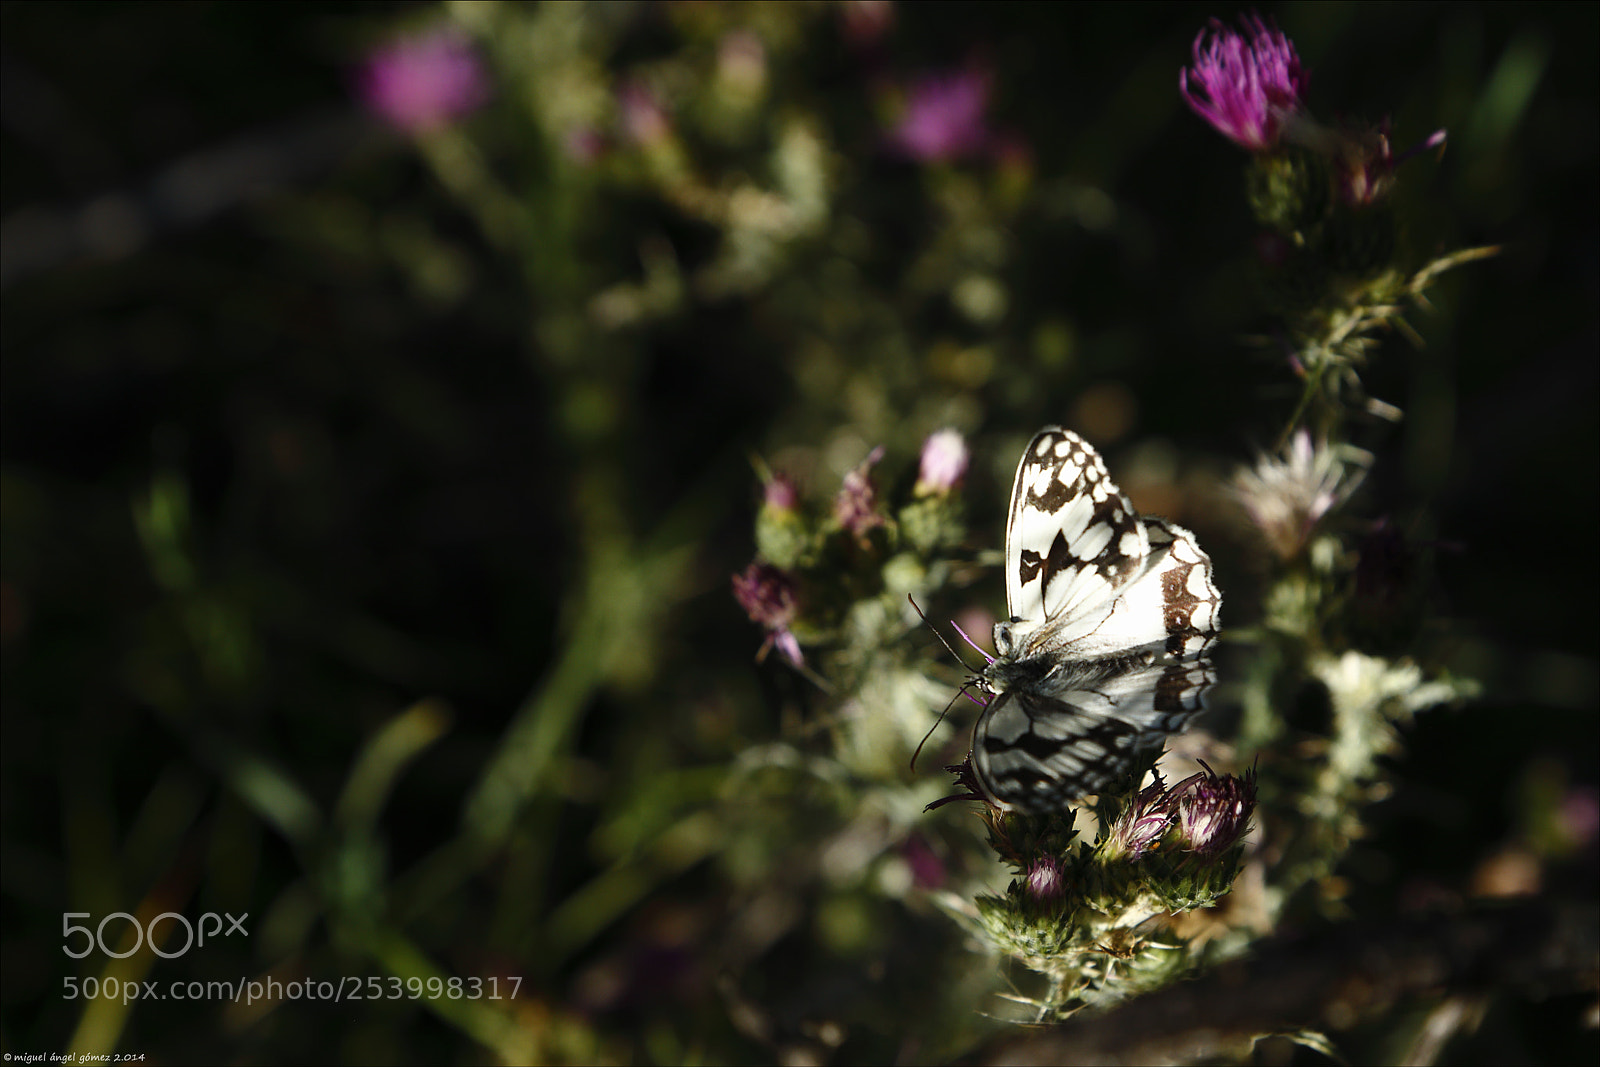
944,117
1578,815
1214,810
927,869
1246,88
1142,824
423,81
856,506
1046,881
944,463
644,120
779,493
767,595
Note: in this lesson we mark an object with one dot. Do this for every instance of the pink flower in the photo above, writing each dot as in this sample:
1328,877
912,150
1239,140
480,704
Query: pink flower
1046,882
644,120
927,869
856,506
423,81
1214,810
767,595
1143,823
944,463
944,117
1245,88
779,493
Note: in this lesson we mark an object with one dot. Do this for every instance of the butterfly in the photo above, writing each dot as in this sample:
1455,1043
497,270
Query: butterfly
1104,656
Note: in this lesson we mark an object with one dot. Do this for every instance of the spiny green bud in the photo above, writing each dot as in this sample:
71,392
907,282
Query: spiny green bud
1288,189
782,535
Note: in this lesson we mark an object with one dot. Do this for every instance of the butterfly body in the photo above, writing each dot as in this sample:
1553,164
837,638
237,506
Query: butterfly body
1112,614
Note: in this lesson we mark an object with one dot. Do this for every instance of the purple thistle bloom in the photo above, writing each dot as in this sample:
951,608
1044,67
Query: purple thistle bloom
424,81
767,595
856,506
1143,824
1214,810
1246,89
1045,881
944,117
944,463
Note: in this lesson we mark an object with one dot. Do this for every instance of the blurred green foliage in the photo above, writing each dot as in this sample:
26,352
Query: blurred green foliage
366,545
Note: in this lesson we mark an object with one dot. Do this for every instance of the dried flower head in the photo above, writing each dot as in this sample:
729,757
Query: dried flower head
944,463
966,780
1367,163
424,81
1246,86
767,595
1286,496
1214,810
856,506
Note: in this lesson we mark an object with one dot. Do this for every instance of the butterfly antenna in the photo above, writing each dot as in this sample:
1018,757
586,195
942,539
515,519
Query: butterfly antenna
935,726
975,646
962,692
947,646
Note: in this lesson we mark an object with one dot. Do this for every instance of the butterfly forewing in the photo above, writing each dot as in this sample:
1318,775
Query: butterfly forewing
1071,537
1103,658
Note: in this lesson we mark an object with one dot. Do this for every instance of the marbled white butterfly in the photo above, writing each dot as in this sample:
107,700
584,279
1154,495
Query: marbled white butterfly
1103,657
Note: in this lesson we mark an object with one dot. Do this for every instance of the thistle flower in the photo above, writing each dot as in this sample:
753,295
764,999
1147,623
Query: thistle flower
1214,810
1287,496
1142,824
1046,881
856,506
767,595
1246,88
944,117
944,463
424,81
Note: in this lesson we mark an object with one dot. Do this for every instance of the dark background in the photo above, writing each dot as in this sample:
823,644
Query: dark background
313,441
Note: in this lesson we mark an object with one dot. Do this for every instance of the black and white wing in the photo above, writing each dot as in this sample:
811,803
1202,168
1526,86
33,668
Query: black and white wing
1036,751
1111,616
1072,540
